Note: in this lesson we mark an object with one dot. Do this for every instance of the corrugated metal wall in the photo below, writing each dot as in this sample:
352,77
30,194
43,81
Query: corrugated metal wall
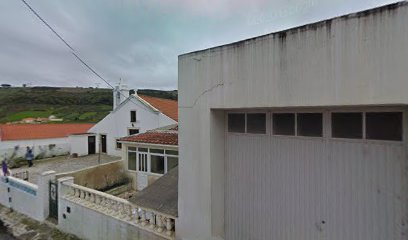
304,188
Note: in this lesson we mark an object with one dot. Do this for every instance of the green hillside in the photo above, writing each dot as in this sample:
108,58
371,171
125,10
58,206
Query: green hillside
85,105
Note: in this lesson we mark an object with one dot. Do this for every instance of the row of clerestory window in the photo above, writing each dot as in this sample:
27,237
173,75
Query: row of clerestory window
352,125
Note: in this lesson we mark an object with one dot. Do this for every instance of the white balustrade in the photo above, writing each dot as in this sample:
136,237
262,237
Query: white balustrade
152,221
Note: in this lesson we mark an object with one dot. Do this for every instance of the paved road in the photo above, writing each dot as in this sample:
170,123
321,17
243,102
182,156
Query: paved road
63,164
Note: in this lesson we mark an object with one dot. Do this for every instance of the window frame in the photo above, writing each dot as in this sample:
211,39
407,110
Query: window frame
116,144
267,120
296,112
132,128
327,134
297,128
364,111
149,154
330,130
272,123
127,158
131,116
385,111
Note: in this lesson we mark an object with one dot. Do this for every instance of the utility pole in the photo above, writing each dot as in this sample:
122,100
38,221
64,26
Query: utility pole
99,152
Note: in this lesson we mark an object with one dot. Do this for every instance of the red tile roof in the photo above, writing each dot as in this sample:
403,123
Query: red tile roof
40,131
166,106
154,137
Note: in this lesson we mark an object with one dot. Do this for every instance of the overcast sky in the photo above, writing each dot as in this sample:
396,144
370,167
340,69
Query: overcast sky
138,40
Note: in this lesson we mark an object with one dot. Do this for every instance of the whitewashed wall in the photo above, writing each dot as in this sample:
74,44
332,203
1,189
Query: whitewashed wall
27,198
116,124
43,148
78,144
360,59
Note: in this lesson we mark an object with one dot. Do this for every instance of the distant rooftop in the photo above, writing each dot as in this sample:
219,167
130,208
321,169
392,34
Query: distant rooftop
10,132
166,106
164,136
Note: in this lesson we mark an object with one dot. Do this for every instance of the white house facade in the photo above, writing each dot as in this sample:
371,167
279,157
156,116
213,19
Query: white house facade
299,134
135,114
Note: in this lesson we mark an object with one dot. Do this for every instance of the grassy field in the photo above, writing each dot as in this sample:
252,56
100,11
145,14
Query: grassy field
75,105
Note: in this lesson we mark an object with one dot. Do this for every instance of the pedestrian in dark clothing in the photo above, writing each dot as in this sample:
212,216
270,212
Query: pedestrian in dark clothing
4,167
29,157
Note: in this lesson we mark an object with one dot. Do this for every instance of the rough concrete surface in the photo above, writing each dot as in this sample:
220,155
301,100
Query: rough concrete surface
24,228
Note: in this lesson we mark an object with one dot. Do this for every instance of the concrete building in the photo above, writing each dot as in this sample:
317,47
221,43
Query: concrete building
131,115
298,134
148,156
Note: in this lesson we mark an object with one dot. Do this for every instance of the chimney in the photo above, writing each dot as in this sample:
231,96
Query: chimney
120,93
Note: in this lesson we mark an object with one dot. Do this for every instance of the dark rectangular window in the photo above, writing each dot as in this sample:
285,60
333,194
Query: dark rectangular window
256,123
133,131
157,164
153,150
118,145
347,125
384,126
284,124
132,116
171,152
132,148
172,162
236,122
310,124
132,161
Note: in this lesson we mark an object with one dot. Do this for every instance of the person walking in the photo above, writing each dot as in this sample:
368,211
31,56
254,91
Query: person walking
29,156
4,167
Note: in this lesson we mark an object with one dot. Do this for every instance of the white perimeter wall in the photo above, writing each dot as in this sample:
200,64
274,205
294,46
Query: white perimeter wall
116,124
89,224
42,148
355,60
25,197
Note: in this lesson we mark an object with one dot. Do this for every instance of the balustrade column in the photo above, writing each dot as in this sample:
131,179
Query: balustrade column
160,224
82,196
152,220
129,212
143,218
109,206
77,194
169,226
136,215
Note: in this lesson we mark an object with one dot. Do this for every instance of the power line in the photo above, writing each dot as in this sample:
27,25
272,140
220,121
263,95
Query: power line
46,24
90,69
66,43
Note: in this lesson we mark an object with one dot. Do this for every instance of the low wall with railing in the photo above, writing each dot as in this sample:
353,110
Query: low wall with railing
25,197
92,214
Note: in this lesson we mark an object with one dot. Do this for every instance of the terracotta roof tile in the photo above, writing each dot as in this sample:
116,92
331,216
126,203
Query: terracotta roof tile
41,131
166,106
154,137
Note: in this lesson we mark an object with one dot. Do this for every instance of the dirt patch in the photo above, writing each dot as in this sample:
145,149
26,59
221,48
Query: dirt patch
24,228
